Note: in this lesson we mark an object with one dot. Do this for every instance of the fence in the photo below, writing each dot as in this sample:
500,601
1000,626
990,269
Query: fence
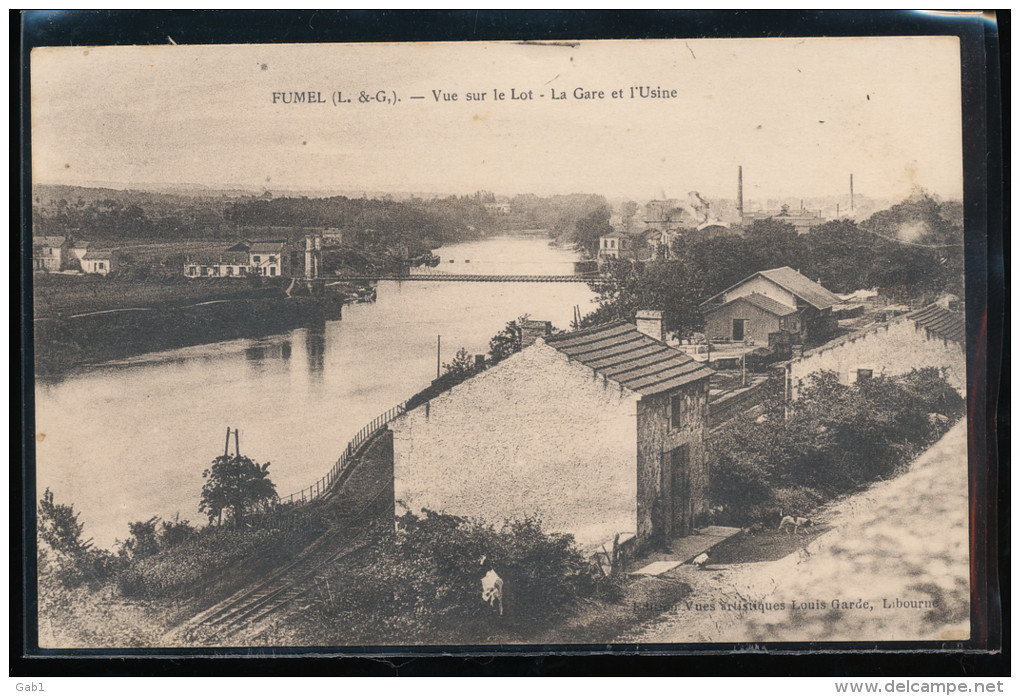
731,405
325,483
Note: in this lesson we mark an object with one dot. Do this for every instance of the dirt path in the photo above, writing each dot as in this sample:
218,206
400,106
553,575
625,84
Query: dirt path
893,565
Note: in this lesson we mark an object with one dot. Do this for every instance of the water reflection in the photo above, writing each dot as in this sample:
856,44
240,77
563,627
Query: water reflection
297,411
315,348
261,352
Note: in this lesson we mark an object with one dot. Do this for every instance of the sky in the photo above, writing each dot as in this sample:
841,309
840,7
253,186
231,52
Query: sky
799,115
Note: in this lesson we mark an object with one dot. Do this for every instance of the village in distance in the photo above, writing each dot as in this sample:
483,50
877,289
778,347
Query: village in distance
755,432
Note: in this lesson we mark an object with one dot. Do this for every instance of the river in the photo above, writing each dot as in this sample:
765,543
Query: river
128,440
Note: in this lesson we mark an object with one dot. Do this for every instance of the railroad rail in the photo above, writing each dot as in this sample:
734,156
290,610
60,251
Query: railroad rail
469,278
245,609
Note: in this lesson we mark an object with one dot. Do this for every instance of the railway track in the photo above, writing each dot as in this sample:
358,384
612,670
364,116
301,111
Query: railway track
250,606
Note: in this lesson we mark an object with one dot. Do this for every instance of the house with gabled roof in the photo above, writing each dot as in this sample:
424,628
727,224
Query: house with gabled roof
49,253
934,336
100,261
597,432
777,299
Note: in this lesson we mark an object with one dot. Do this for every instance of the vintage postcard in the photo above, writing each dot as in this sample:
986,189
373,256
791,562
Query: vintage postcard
493,343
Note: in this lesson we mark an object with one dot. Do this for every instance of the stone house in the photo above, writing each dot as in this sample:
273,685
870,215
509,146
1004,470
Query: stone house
49,253
99,262
934,336
775,299
598,432
270,258
217,264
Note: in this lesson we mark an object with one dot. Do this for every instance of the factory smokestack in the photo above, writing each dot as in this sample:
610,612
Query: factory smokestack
740,192
851,194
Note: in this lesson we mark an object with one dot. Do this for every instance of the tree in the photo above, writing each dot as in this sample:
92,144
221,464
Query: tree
590,228
75,559
506,342
624,288
840,255
462,367
236,484
144,541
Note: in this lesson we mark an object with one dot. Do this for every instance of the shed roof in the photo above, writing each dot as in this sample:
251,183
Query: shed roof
785,277
761,302
623,354
212,258
942,322
267,247
99,254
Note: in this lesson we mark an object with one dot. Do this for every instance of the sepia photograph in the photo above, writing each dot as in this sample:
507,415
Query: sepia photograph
595,342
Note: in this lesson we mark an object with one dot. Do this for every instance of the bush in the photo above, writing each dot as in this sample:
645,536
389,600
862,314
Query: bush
834,439
63,552
425,583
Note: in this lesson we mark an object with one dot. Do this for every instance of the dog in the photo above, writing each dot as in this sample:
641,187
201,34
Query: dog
795,522
492,588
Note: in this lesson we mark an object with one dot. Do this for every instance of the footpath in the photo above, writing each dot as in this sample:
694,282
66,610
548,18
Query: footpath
894,565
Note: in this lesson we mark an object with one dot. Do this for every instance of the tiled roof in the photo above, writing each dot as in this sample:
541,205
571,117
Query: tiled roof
267,247
212,258
804,288
625,355
942,322
99,254
52,241
761,302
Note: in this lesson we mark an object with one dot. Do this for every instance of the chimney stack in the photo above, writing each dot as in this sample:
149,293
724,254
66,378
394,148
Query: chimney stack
532,330
740,192
649,322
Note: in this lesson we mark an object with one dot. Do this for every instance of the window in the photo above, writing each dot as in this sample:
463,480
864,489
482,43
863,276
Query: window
272,270
272,259
256,259
241,270
101,266
864,374
191,271
676,410
230,270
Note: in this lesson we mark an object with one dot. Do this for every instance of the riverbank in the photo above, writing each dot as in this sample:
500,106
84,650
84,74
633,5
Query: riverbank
65,342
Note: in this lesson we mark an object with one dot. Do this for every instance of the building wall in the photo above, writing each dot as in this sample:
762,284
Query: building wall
656,439
765,287
535,435
51,258
893,348
98,266
719,322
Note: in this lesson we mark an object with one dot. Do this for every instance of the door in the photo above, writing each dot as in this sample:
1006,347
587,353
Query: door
681,504
738,329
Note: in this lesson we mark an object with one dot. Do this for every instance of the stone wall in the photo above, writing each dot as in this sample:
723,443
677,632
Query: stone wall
892,348
657,438
535,435
759,324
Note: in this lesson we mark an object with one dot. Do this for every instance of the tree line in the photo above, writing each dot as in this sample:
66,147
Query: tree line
912,251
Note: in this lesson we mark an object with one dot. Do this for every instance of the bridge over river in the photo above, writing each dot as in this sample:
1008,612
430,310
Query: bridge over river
468,278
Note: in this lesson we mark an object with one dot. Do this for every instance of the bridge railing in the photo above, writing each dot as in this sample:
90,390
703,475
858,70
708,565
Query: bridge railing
326,482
